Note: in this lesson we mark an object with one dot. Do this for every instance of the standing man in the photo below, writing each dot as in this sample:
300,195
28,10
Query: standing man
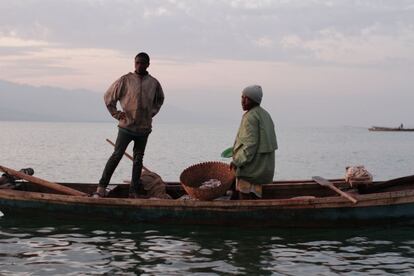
140,96
255,145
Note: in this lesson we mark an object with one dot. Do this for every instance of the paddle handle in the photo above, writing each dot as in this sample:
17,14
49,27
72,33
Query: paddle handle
42,182
127,154
326,183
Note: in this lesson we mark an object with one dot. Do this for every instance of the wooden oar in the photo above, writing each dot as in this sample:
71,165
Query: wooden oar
42,182
326,183
127,155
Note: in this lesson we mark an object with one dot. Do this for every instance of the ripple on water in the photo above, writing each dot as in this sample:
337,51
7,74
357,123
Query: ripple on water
61,249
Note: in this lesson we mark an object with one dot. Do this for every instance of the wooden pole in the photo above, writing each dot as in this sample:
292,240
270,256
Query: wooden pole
127,155
42,182
326,183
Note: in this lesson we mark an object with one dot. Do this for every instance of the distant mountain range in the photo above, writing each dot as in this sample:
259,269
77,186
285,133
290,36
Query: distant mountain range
29,103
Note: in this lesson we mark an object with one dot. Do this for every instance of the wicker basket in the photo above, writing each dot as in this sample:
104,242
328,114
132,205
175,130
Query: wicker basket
192,177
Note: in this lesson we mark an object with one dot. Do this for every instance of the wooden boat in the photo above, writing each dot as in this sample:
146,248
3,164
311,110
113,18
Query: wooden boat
377,128
296,203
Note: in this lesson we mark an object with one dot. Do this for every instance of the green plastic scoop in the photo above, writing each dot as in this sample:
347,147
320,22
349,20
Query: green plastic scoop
227,153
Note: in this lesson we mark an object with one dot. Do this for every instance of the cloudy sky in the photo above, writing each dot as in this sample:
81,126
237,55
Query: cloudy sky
320,62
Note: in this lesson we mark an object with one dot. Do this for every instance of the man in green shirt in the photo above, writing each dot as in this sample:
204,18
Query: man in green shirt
254,147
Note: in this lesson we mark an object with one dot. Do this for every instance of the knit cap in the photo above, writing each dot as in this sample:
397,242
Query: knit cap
253,92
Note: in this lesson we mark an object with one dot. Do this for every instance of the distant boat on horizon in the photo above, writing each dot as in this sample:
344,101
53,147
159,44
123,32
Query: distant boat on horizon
400,128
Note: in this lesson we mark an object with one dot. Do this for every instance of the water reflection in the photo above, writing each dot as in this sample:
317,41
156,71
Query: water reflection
67,248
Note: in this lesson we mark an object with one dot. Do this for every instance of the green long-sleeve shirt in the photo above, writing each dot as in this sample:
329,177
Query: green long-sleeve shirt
254,147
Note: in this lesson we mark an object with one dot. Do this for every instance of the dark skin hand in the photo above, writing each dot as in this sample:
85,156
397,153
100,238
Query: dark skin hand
121,116
232,166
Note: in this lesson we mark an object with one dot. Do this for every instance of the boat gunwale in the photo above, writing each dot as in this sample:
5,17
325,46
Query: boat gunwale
364,200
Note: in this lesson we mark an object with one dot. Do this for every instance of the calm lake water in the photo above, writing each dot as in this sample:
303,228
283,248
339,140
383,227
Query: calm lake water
77,152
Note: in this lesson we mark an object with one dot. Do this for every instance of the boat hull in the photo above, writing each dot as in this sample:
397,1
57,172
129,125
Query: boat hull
390,129
387,207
